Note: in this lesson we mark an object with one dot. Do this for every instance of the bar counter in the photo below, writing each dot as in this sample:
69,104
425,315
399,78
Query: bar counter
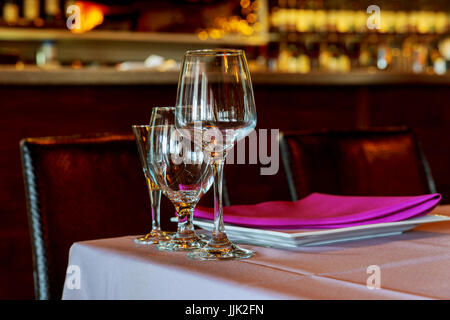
112,76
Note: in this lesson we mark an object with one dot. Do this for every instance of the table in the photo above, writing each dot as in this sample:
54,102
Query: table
413,265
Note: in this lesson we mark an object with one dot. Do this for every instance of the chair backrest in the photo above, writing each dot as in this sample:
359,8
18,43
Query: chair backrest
373,162
81,188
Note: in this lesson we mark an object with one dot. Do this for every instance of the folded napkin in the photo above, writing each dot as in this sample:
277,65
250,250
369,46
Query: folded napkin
323,211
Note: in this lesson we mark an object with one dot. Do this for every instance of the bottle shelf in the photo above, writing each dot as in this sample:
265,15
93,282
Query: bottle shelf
36,34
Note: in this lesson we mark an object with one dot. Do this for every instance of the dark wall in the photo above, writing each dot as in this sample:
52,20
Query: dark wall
66,110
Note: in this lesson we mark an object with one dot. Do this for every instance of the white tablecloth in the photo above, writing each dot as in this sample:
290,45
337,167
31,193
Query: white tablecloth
413,265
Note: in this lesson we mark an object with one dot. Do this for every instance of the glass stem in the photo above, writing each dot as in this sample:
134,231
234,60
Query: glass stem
155,199
185,226
218,235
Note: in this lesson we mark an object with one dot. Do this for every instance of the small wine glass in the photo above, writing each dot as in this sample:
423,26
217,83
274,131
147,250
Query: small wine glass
215,105
182,174
141,134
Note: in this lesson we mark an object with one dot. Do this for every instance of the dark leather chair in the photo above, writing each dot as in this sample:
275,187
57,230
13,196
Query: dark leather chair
81,188
375,162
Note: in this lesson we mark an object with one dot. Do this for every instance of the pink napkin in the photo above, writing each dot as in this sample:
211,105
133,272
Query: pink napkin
322,211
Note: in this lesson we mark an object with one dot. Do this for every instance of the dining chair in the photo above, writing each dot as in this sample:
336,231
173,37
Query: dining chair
81,188
372,162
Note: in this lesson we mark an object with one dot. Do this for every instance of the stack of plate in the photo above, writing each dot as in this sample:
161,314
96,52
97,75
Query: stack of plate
301,238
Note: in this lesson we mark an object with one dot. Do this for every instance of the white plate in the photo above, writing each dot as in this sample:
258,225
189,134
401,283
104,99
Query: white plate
301,238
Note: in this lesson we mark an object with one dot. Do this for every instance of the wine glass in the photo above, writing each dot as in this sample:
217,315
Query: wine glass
141,134
181,172
215,108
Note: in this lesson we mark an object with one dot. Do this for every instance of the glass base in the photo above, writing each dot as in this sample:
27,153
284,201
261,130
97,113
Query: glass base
228,252
182,244
154,237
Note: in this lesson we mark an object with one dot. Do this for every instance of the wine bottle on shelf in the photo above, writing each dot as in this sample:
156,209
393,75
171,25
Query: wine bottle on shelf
303,59
1,12
31,13
352,48
11,12
273,16
283,57
312,47
272,57
282,16
291,17
52,11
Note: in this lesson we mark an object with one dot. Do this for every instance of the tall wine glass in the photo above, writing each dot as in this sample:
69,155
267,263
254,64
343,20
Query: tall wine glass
215,107
142,135
181,172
